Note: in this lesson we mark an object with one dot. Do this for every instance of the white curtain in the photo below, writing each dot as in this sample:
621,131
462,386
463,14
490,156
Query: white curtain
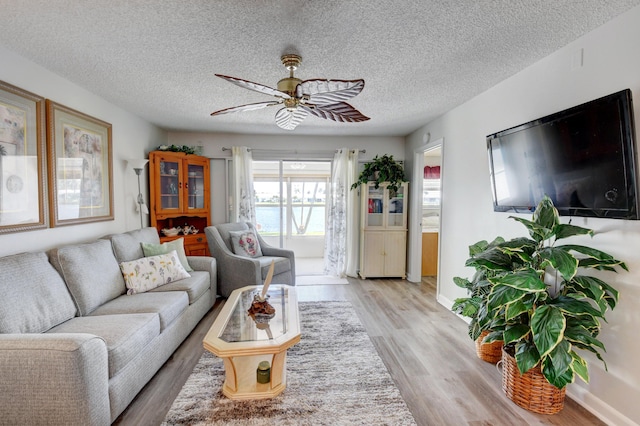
244,204
341,242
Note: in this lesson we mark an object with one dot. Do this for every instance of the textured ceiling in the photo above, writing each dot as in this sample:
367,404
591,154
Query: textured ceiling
419,58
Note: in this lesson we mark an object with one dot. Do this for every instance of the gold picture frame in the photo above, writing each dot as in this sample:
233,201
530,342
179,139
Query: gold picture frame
80,166
23,181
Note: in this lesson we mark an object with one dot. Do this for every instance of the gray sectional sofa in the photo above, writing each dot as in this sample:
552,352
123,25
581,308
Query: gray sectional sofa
75,349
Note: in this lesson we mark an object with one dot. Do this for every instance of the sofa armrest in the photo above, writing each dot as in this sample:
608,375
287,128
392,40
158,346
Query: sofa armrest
57,378
207,264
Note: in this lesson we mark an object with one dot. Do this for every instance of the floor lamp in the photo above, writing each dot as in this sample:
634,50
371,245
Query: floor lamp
138,167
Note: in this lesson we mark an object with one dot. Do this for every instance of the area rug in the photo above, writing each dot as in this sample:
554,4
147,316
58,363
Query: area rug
334,377
320,280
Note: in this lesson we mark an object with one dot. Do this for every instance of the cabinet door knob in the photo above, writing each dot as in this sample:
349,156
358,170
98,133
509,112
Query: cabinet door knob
199,239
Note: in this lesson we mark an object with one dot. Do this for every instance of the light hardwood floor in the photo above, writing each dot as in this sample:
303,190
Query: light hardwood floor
424,346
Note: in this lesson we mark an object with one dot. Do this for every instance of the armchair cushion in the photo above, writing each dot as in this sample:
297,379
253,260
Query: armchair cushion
245,243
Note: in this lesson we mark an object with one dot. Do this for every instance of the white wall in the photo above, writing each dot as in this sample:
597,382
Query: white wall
132,138
611,63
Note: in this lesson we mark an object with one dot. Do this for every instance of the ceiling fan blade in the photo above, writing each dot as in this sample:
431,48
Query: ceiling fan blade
247,107
325,92
257,87
288,120
340,111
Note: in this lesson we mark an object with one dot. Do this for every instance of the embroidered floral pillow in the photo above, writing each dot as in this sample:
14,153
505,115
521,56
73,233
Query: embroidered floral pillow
245,243
148,273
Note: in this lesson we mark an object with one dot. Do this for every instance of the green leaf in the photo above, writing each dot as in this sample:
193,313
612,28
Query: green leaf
546,214
527,356
561,358
462,282
537,232
601,264
514,309
502,295
565,231
478,247
525,279
519,244
515,333
494,336
579,366
606,258
547,327
579,335
574,307
598,290
559,380
561,260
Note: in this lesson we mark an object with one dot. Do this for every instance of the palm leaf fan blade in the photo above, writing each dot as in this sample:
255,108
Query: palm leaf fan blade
341,111
256,87
289,120
326,92
247,107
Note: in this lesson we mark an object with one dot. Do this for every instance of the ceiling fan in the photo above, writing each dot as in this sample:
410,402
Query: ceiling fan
322,98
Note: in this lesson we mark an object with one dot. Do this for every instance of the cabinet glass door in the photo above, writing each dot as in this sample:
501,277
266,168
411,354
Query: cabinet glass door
396,209
375,207
195,187
170,185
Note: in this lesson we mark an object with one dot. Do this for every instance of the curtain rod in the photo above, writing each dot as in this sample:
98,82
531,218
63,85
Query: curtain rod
224,148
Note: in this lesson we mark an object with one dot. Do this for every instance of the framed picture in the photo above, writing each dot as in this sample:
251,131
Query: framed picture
80,166
22,160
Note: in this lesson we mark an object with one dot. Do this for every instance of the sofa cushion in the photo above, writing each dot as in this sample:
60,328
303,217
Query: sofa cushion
168,305
125,335
195,286
245,243
148,273
34,296
151,249
281,265
91,273
126,246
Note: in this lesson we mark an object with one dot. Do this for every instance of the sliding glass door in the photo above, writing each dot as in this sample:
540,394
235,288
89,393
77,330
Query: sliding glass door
291,207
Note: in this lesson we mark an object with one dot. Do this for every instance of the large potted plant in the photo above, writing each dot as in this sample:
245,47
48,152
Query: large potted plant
545,309
382,169
488,260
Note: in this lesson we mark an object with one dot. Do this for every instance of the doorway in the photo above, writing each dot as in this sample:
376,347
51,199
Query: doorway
291,208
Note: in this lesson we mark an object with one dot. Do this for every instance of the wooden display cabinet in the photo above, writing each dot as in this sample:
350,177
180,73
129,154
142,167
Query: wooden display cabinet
180,197
383,234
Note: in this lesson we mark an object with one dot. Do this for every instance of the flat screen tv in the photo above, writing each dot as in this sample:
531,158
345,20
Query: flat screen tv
583,158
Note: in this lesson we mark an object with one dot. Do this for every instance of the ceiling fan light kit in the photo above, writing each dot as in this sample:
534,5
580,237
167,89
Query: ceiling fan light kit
321,98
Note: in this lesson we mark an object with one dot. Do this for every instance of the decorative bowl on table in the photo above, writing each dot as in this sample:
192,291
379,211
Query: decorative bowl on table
170,232
261,310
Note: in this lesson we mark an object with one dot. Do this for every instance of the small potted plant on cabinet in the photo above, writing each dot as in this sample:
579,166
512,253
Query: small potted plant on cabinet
543,323
382,169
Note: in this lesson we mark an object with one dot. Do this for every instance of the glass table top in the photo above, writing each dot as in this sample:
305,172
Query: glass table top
243,328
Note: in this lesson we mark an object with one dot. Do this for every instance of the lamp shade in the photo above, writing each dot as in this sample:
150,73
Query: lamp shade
136,163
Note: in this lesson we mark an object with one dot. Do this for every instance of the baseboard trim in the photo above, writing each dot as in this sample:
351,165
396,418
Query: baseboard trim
598,407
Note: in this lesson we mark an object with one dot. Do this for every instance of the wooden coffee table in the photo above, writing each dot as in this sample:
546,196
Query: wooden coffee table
242,344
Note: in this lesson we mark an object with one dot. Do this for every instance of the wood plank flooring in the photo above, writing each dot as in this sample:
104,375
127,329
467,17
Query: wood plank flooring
424,346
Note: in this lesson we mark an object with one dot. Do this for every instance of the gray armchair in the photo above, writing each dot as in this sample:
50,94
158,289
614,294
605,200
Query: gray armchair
236,271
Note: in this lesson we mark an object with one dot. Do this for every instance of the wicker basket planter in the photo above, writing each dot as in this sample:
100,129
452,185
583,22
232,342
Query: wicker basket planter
531,390
489,352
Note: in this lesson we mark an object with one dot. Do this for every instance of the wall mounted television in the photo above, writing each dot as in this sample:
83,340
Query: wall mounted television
583,158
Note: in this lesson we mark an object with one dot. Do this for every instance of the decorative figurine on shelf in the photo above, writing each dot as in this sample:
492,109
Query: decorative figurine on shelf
261,310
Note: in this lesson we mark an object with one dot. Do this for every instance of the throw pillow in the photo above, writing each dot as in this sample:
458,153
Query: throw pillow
245,243
148,273
150,249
